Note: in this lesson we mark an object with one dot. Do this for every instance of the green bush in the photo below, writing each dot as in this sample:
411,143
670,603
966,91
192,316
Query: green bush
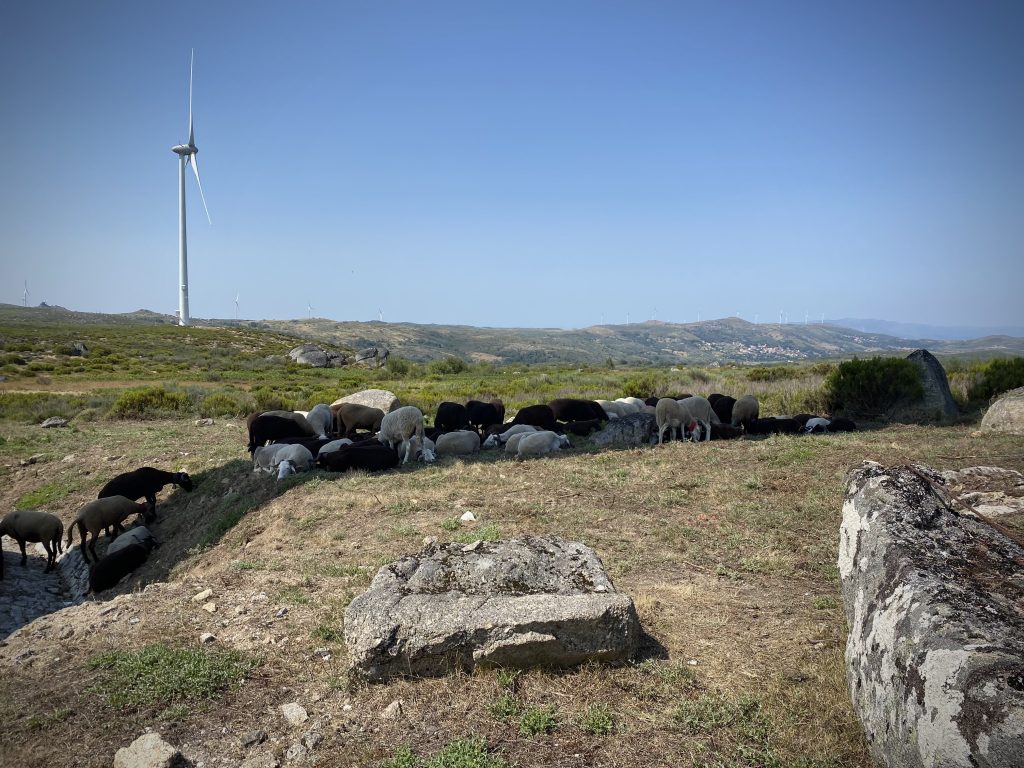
268,400
447,365
872,387
996,377
149,402
225,404
642,385
399,367
774,373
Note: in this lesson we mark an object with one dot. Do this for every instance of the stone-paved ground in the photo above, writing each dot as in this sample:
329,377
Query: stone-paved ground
26,593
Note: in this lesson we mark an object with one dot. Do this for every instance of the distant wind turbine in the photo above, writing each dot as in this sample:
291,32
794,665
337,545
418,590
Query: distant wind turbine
236,306
780,317
309,309
24,296
380,314
187,156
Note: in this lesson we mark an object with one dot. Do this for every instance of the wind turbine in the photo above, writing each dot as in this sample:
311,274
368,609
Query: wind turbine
24,296
380,314
236,306
187,156
309,309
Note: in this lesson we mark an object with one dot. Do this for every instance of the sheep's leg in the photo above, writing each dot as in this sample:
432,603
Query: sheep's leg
92,545
24,557
51,556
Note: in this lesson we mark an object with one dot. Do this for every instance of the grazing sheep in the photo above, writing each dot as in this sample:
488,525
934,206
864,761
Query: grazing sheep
745,411
296,416
572,409
701,409
29,525
145,482
652,401
332,446
371,457
106,572
815,425
842,425
540,443
321,420
541,416
725,432
99,514
499,406
460,443
399,426
723,405
500,438
583,428
353,416
483,415
268,458
264,427
451,417
673,415
140,534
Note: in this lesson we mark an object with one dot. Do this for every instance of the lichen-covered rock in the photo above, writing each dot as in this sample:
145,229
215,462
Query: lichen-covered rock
317,357
629,431
148,751
933,598
374,398
993,492
1006,414
936,403
519,603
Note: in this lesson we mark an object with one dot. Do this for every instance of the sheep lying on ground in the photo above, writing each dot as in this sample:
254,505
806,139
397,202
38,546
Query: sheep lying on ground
584,428
106,572
460,443
744,411
817,424
145,482
541,443
370,457
333,446
398,427
321,420
842,425
140,534
672,415
612,410
97,515
266,426
493,441
636,402
29,525
512,444
268,458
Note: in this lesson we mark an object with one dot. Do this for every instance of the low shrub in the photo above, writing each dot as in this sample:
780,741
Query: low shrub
642,385
773,373
996,377
149,403
225,404
872,387
447,366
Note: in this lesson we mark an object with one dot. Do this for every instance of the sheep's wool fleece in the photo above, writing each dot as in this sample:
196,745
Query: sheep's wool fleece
524,602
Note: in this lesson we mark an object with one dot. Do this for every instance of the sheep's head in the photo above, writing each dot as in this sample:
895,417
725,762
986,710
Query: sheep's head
183,480
490,442
284,469
563,441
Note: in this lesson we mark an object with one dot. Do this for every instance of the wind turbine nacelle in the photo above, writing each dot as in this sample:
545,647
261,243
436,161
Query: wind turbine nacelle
184,150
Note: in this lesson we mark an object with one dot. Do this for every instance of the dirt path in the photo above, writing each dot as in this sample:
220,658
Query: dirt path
26,593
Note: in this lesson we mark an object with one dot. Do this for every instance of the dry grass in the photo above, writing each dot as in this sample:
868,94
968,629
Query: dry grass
728,549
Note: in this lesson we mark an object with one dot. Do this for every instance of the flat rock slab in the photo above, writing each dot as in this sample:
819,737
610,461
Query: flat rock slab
632,430
384,399
1006,414
524,602
934,598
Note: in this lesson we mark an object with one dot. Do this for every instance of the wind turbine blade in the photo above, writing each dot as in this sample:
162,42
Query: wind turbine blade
191,134
195,169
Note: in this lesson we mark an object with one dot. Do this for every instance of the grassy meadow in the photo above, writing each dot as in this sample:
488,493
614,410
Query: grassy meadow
728,549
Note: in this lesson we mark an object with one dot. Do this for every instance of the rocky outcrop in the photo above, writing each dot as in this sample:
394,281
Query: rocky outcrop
629,431
1006,414
933,596
517,603
318,357
936,402
373,398
149,751
992,492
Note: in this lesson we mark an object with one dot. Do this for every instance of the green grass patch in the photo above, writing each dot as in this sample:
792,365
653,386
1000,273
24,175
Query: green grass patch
44,495
460,753
160,674
598,720
538,720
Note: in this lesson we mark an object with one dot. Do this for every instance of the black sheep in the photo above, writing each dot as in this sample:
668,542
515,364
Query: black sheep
108,570
572,409
540,416
452,416
582,428
144,482
266,427
842,425
725,432
372,458
803,418
722,406
482,415
773,427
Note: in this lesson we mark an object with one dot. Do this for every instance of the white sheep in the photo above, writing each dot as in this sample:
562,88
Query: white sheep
540,443
399,426
459,443
268,458
745,411
817,423
674,416
99,514
612,410
493,441
512,444
333,446
636,402
321,420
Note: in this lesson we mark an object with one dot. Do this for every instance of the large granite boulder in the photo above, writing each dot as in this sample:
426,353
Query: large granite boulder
1006,414
933,596
629,431
317,357
373,398
936,402
517,603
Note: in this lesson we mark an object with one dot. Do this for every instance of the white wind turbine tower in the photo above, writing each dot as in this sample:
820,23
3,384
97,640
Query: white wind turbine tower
187,156
236,306
24,296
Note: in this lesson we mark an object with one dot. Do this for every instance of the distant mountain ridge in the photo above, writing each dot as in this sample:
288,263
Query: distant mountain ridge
725,340
923,331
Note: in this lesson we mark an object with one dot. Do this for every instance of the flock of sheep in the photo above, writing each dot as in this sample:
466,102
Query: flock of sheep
348,435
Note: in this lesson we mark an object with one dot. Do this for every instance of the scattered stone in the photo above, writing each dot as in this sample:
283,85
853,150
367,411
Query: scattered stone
207,637
112,458
108,609
148,751
200,597
69,458
517,603
294,713
374,398
992,492
281,613
313,739
428,540
35,459
1006,414
630,431
210,607
295,752
54,421
261,760
472,547
323,654
253,738
204,422
468,517
392,710
933,595
78,349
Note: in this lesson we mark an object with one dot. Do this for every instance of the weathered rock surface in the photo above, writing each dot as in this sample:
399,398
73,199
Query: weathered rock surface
517,603
632,430
54,421
374,398
316,356
937,402
993,492
1006,414
933,596
148,751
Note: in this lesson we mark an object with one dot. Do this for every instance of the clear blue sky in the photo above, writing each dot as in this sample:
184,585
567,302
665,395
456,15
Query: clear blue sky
519,163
